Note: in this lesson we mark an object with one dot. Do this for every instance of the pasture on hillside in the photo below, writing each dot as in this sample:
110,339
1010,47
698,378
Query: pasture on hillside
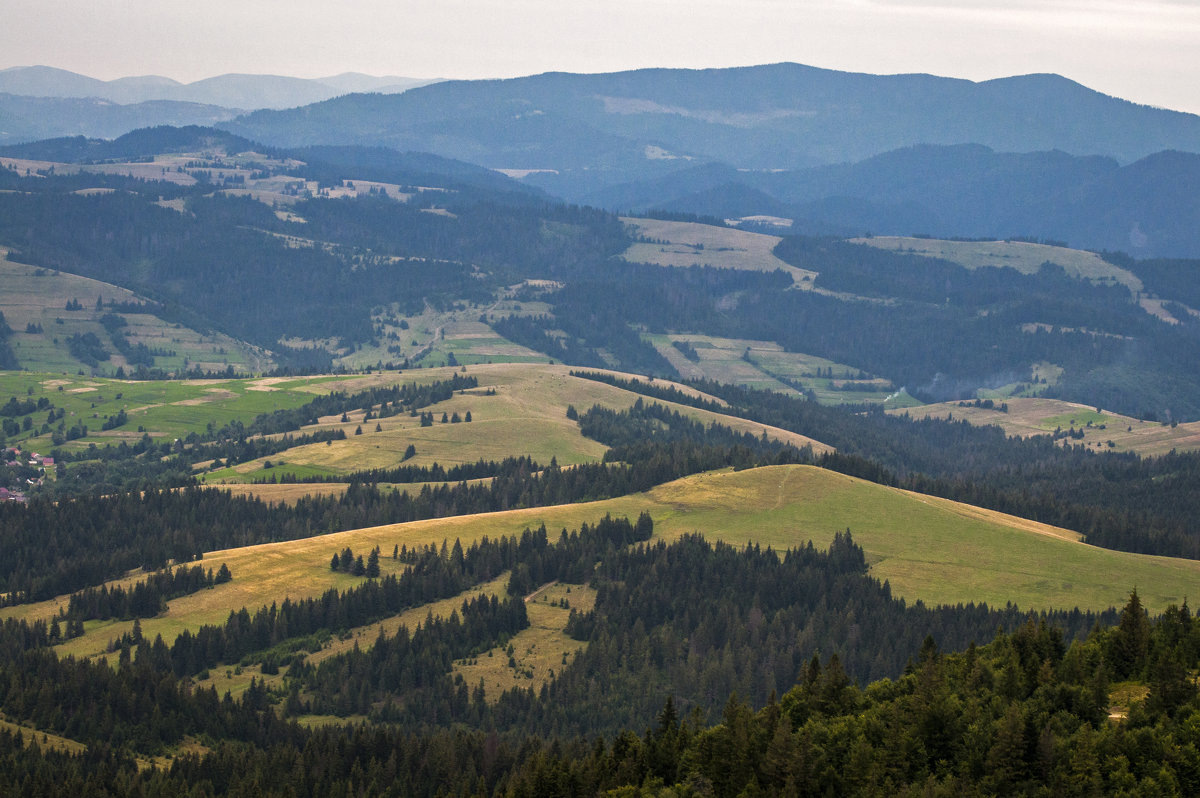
35,301
929,549
1022,256
455,336
161,408
1099,430
692,244
518,409
765,365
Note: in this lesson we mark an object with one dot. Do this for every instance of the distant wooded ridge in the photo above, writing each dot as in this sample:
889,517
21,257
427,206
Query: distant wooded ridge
230,90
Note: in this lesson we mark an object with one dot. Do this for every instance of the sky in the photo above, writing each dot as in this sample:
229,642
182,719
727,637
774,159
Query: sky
1147,51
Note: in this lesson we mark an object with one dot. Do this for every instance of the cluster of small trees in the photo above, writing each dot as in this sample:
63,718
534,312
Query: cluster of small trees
346,562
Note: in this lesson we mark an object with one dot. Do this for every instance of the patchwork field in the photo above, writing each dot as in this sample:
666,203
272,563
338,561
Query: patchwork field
1024,257
39,297
518,409
1101,431
691,244
163,170
765,365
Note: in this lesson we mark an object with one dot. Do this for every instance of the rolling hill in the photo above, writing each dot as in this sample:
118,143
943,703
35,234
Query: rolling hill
928,549
41,102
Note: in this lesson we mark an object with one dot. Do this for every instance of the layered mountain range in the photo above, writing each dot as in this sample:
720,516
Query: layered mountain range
230,91
826,152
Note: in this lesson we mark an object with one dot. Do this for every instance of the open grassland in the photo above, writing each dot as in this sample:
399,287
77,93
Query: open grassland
1155,307
692,244
537,653
524,415
765,365
163,409
34,296
1027,417
931,549
1024,257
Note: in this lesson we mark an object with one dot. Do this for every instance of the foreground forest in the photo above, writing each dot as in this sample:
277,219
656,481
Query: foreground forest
1030,712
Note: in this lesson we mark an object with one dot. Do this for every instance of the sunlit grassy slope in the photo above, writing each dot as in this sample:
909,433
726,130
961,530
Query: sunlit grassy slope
683,244
1022,256
1103,430
518,409
930,549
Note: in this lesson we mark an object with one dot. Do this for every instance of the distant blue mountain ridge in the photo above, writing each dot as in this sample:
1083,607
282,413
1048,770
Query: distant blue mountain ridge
837,152
602,130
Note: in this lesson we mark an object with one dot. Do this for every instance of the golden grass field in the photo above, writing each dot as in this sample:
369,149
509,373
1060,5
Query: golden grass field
692,244
525,416
931,549
539,652
147,170
1024,257
1027,417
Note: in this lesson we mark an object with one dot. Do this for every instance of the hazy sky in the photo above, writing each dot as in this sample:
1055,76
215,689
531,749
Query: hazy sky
1143,50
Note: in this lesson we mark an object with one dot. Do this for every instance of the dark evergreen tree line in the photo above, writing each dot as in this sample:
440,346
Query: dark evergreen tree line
700,621
169,457
145,598
133,706
8,358
647,425
135,354
409,672
480,469
1024,714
